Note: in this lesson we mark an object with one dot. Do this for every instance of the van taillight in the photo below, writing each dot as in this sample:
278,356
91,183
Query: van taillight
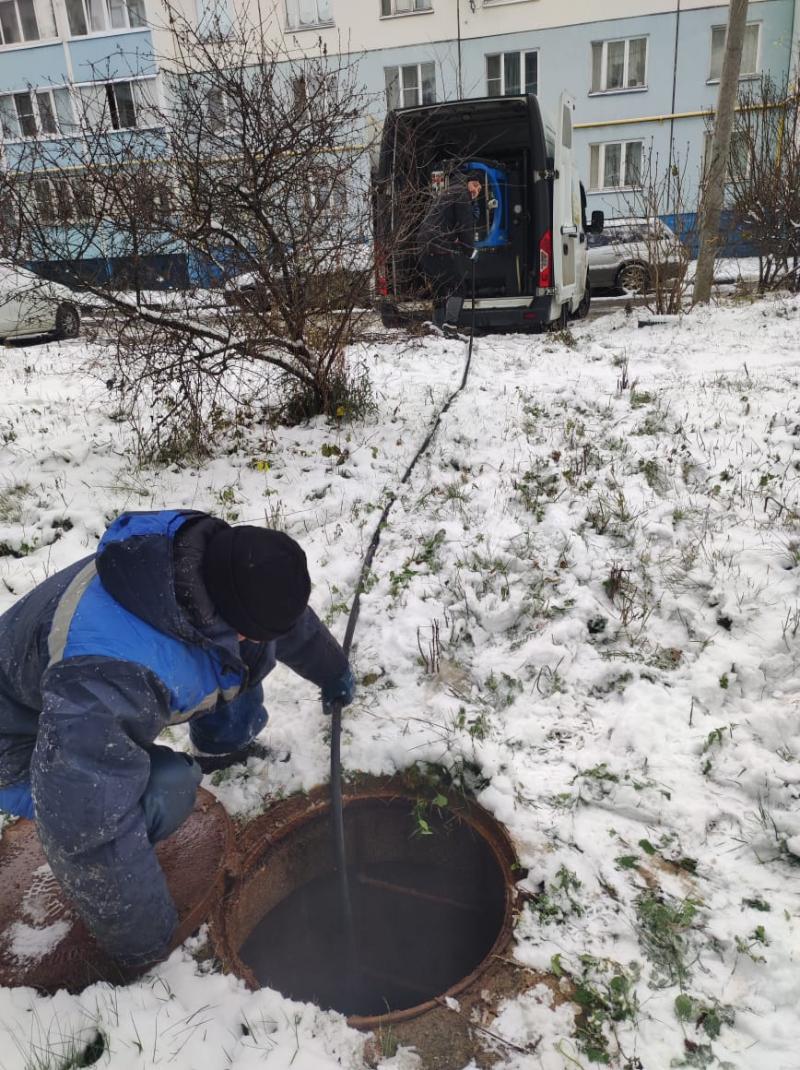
546,260
381,281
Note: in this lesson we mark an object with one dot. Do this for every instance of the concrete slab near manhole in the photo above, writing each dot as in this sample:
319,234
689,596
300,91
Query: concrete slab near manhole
43,942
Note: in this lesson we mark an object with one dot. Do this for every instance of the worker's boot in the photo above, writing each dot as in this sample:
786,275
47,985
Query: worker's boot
211,763
452,313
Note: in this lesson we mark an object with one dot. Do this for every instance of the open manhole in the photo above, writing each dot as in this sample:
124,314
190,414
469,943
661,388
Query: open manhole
432,903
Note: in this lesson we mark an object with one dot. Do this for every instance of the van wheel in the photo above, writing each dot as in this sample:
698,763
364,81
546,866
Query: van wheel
582,311
561,322
393,317
68,322
633,278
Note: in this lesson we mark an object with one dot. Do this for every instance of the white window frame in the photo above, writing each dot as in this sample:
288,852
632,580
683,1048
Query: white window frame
708,145
62,203
522,53
399,68
107,26
104,85
22,39
217,113
296,26
35,93
713,79
624,88
415,7
601,147
213,18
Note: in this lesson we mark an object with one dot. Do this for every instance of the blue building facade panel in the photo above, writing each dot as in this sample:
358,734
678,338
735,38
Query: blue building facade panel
676,45
112,55
668,115
36,65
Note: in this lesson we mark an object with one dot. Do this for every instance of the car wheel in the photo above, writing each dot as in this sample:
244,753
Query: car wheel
68,322
633,278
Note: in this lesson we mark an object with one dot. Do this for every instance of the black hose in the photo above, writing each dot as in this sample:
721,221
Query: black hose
337,808
337,812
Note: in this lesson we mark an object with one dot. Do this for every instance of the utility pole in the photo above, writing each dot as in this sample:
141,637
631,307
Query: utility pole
717,172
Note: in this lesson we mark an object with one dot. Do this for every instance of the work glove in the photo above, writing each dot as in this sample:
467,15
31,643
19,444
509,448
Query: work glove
340,690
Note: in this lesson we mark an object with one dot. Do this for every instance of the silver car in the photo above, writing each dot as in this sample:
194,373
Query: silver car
629,252
31,305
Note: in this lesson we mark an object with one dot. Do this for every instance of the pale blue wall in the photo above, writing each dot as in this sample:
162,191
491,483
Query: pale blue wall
114,55
117,55
565,64
37,65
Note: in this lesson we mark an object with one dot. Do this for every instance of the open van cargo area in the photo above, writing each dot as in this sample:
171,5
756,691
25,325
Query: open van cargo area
525,166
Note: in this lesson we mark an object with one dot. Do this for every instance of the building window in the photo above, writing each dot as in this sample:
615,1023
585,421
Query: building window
405,7
303,13
35,113
719,35
217,108
739,160
410,85
213,18
17,22
54,199
615,165
97,16
619,65
511,73
119,105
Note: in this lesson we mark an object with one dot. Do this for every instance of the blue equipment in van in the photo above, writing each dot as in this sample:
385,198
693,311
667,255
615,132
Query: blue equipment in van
495,182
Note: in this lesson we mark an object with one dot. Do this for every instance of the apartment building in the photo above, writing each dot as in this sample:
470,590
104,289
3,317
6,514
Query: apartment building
644,73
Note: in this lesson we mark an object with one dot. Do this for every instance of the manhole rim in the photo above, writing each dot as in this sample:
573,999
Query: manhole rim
254,856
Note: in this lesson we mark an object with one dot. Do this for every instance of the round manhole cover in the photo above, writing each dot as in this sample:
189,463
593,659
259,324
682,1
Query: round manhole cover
432,902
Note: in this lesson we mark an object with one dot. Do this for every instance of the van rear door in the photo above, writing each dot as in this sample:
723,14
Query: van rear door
566,219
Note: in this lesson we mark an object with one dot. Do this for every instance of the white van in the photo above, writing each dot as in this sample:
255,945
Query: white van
531,233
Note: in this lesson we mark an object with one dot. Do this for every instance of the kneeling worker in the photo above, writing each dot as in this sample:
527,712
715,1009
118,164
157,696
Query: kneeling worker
446,244
177,617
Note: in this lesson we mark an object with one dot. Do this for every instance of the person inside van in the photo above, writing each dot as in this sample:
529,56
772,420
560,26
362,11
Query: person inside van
446,241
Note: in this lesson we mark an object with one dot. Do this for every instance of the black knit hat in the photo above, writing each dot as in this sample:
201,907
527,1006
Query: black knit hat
257,579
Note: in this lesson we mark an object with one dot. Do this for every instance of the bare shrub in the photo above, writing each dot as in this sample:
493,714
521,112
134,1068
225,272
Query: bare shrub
764,179
255,164
661,194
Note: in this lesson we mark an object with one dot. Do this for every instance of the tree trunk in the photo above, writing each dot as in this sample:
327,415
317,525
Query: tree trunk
717,172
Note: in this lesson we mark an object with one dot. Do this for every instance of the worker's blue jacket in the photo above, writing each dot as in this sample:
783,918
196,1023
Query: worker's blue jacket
94,663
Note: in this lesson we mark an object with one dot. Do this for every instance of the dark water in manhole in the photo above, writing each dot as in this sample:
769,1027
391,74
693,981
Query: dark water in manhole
421,925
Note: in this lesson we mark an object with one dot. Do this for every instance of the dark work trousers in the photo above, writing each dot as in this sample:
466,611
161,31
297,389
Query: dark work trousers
170,792
446,273
167,801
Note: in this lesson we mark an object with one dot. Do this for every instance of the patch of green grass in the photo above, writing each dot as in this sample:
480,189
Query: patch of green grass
475,725
605,993
710,1017
504,689
12,501
640,398
23,550
559,900
664,926
757,903
425,558
598,772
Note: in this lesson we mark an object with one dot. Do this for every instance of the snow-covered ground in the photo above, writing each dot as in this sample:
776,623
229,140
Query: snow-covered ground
605,537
